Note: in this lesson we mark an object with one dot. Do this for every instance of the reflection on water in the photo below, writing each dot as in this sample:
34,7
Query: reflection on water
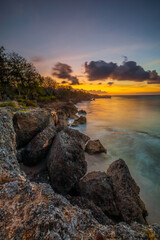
129,127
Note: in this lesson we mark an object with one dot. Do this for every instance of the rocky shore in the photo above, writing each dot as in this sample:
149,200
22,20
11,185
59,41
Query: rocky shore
45,190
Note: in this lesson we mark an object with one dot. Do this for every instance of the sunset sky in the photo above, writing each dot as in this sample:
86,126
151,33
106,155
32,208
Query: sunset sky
75,32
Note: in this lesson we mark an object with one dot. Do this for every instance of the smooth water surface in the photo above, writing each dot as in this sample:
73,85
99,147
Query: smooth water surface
129,127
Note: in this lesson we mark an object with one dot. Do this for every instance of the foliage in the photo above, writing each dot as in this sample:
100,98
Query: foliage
27,103
19,80
46,99
8,104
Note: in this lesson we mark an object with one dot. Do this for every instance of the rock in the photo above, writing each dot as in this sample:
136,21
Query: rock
82,112
9,170
66,162
37,148
29,123
96,211
77,136
94,146
80,120
62,118
127,193
34,211
98,187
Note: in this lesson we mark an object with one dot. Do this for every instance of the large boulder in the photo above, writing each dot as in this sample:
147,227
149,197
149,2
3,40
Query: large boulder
80,120
127,193
66,162
38,147
77,136
98,187
94,146
28,124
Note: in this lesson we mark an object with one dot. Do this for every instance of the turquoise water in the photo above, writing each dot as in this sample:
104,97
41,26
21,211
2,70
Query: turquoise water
129,127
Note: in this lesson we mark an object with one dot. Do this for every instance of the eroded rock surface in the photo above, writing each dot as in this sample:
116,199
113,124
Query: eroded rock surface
98,187
28,124
66,162
38,147
94,146
127,193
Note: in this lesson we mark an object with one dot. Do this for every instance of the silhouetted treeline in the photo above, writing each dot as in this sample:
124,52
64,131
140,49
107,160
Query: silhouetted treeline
19,79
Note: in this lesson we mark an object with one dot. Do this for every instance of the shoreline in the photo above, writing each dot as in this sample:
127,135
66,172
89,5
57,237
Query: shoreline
74,143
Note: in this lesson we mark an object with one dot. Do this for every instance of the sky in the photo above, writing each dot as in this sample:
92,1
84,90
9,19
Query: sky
87,35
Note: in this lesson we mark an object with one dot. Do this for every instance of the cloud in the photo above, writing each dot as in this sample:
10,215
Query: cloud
129,71
37,59
63,82
110,83
99,70
64,71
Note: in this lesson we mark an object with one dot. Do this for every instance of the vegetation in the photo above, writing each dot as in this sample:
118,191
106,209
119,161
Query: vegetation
8,104
19,80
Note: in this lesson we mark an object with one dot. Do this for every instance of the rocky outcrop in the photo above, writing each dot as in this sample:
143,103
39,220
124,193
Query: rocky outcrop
38,147
127,193
31,211
9,170
28,124
94,146
98,187
66,162
96,211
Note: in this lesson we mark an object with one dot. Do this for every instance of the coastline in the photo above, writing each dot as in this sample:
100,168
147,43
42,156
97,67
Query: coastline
81,198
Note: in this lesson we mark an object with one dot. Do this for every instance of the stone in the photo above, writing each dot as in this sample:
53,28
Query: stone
126,190
98,187
77,136
94,146
66,162
29,123
9,169
82,112
96,211
38,147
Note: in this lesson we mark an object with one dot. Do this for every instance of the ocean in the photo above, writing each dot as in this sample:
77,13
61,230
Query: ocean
129,127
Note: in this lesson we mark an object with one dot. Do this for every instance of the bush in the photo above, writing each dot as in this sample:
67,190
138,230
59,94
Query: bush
46,99
27,103
8,104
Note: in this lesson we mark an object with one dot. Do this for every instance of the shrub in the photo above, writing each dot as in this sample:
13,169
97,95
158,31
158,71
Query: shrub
27,103
8,104
46,99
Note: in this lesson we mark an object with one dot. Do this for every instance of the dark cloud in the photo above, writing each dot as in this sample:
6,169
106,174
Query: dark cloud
64,71
99,70
37,59
110,83
74,81
129,70
63,82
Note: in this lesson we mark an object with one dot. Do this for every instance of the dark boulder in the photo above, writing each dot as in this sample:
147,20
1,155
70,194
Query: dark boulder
37,148
82,112
28,124
94,146
66,162
98,187
127,193
80,120
77,136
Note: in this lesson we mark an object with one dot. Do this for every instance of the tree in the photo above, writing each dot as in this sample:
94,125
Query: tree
23,75
4,81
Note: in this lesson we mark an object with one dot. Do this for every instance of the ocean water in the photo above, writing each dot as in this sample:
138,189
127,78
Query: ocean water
129,127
